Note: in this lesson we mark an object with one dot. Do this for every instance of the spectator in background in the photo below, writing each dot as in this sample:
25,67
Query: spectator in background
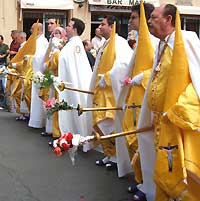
3,56
3,51
88,47
14,46
98,40
132,35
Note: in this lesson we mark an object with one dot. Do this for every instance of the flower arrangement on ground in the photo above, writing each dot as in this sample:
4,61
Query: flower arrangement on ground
69,143
64,143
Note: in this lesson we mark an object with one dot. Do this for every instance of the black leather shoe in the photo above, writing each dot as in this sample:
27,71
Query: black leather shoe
50,143
44,134
139,196
100,163
111,165
133,188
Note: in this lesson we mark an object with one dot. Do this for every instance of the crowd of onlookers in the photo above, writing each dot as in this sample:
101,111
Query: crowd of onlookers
6,54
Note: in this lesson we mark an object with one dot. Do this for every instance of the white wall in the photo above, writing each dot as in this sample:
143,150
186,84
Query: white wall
8,18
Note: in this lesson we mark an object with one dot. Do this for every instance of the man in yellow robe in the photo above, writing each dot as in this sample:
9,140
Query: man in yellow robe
21,89
140,71
169,153
37,115
17,92
110,69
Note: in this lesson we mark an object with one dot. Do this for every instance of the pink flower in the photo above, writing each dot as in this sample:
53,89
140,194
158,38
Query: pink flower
127,81
50,103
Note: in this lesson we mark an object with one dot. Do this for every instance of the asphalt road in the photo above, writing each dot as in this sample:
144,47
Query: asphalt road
30,171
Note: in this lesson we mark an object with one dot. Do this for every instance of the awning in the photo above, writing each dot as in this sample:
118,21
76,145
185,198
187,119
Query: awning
118,2
189,10
47,4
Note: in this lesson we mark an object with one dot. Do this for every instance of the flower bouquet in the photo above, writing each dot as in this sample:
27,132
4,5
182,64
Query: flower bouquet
52,105
43,80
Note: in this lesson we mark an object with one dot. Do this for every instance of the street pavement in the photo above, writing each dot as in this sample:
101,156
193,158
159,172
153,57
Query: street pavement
30,171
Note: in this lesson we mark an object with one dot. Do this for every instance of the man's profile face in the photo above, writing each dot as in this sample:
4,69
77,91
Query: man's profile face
70,29
157,22
134,21
51,25
105,28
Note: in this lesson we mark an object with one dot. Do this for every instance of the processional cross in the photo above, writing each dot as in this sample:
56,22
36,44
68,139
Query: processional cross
169,149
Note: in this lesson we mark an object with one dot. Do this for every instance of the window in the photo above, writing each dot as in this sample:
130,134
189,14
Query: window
31,16
191,23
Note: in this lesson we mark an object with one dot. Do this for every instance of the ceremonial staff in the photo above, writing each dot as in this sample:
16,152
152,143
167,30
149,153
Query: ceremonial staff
16,75
81,109
104,137
4,71
98,137
62,87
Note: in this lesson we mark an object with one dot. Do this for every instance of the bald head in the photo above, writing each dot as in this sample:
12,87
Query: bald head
40,28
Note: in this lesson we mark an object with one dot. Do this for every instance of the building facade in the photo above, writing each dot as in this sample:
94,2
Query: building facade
21,14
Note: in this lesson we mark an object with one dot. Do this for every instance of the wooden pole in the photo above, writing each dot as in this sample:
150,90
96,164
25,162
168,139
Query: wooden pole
141,130
79,90
82,109
62,86
15,74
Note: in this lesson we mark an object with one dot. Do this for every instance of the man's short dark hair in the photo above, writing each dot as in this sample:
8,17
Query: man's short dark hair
85,42
148,9
53,18
79,25
170,9
14,32
2,38
111,19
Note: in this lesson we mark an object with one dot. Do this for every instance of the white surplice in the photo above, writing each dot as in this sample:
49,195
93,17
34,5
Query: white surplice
37,109
74,68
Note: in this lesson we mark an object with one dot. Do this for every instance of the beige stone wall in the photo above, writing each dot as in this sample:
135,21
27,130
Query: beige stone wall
182,2
167,1
196,2
83,14
8,18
